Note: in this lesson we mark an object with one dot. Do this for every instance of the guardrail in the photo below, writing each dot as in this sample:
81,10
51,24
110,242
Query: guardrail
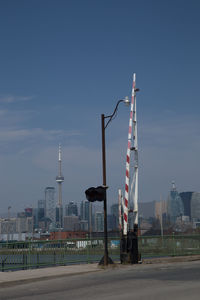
37,254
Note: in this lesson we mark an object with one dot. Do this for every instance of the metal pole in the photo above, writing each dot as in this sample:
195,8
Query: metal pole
120,209
104,184
135,148
161,219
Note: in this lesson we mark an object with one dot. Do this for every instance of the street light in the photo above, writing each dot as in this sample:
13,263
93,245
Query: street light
106,259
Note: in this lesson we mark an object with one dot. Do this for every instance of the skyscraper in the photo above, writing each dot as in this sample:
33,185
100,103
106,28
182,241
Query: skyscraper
71,209
195,207
186,199
86,213
99,221
50,211
115,214
174,204
39,212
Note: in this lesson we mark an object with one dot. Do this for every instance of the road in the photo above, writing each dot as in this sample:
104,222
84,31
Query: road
159,281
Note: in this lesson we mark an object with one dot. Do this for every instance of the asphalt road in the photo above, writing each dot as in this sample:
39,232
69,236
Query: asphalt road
159,281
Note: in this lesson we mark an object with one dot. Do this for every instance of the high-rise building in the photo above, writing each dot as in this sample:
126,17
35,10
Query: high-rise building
111,222
50,211
195,207
99,221
186,199
41,204
174,204
115,213
41,209
71,209
86,213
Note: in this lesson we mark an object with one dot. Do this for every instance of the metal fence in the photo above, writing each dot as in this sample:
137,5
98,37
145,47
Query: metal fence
170,245
37,254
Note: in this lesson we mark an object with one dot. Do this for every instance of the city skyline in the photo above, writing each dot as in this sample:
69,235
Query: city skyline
61,67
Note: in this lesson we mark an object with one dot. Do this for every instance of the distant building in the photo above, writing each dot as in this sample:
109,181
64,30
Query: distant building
50,206
25,225
84,225
71,223
195,207
13,226
86,213
160,209
111,222
41,210
28,212
99,221
174,204
115,213
67,235
21,224
186,198
146,209
71,209
8,226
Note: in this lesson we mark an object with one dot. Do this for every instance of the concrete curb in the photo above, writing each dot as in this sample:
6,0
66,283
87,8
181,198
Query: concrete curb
158,260
25,276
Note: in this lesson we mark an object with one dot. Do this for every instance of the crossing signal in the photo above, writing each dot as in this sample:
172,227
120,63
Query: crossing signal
96,194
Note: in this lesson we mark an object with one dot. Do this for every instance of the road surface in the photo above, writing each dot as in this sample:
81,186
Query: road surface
159,281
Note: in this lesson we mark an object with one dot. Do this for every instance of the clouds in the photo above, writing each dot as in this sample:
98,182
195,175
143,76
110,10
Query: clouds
179,130
8,99
168,150
10,135
18,128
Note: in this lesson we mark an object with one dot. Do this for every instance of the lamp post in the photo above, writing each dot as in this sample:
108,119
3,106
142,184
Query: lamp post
106,259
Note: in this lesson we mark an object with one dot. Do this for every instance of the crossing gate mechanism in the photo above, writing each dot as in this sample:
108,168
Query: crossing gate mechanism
128,205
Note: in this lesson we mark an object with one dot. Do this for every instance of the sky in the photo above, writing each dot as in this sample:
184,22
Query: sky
65,62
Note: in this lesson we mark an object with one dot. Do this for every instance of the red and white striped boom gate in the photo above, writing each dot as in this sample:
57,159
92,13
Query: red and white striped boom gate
129,235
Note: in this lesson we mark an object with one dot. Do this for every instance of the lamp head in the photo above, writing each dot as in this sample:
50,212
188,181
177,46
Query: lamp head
126,101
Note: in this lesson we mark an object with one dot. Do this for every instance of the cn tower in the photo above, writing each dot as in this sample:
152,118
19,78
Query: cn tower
59,180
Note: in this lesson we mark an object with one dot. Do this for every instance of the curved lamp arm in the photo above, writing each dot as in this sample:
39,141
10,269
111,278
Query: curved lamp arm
126,101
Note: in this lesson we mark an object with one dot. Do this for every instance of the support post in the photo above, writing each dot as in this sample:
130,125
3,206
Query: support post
104,260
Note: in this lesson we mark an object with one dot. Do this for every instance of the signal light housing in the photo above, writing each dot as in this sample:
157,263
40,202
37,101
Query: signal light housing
96,194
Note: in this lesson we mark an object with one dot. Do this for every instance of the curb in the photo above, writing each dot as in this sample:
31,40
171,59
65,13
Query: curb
10,282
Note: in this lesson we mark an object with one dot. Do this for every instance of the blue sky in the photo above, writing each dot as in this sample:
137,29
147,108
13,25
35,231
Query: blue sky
63,63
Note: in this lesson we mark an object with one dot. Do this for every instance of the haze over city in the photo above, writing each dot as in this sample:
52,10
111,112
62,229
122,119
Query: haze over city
63,63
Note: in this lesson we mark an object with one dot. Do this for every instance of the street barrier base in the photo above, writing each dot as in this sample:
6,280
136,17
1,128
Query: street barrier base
129,248
110,262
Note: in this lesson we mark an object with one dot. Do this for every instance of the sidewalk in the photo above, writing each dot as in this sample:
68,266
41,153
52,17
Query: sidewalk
19,277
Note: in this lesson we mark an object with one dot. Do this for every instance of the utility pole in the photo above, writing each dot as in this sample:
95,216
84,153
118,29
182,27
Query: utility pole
106,260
